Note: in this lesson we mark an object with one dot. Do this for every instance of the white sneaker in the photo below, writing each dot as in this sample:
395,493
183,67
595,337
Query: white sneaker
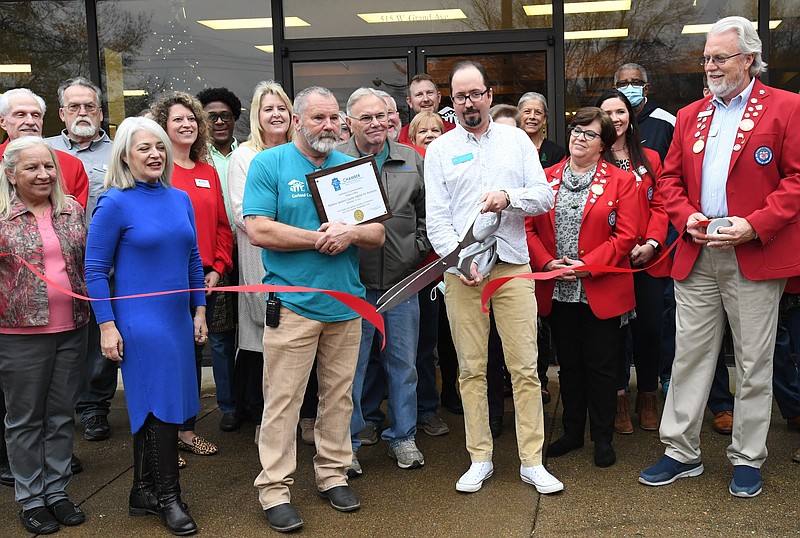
540,478
472,480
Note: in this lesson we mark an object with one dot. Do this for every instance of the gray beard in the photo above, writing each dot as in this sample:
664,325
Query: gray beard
323,143
83,130
723,89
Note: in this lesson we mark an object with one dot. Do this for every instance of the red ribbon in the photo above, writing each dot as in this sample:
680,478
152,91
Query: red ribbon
492,287
356,304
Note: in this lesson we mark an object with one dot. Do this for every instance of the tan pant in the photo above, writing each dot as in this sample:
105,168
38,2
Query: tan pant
289,352
514,307
716,288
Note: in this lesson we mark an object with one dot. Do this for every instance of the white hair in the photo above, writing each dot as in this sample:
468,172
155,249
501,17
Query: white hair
749,42
5,100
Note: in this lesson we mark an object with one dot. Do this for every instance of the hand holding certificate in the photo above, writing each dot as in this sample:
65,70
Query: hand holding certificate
350,193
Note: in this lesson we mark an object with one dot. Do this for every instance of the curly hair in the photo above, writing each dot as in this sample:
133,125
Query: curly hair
209,95
160,111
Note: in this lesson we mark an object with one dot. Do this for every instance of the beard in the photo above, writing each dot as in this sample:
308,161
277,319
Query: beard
473,120
325,142
725,87
80,128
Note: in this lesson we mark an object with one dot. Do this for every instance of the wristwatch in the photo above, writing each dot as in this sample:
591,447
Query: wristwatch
653,243
508,198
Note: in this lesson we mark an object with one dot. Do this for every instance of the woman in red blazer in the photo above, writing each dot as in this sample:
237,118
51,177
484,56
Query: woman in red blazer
594,222
627,153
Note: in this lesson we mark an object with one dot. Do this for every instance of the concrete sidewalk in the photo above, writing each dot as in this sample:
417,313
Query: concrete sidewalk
417,503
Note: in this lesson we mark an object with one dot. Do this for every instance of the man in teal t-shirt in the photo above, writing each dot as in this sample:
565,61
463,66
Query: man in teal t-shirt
300,251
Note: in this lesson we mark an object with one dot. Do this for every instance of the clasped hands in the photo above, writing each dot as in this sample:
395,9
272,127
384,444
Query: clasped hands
740,231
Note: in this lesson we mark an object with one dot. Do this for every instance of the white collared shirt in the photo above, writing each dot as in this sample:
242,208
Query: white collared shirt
460,168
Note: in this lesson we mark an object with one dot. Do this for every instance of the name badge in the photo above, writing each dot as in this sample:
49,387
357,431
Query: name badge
705,113
463,158
714,131
202,183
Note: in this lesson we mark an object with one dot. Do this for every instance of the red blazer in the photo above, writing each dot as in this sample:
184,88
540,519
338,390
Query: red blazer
763,183
608,233
653,218
73,174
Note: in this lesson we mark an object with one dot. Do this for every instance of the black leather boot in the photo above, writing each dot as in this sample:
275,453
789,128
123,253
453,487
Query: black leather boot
143,499
162,454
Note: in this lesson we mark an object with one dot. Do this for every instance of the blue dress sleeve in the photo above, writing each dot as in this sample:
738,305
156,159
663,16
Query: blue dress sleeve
105,232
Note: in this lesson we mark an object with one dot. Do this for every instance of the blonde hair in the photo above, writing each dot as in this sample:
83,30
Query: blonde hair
263,88
423,117
161,108
119,173
8,167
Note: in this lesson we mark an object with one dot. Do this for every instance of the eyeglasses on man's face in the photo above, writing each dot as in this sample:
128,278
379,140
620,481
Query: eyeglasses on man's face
474,97
366,119
75,107
224,116
717,60
588,135
637,82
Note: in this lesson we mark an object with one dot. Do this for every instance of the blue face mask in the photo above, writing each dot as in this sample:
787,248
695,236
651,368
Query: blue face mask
635,94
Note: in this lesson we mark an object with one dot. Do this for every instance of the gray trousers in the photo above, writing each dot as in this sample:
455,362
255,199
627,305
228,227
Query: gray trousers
40,376
714,290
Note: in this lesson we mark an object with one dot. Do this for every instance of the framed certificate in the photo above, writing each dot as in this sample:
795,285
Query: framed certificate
351,192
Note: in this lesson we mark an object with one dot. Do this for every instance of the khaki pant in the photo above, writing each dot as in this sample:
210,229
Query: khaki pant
713,290
289,352
514,307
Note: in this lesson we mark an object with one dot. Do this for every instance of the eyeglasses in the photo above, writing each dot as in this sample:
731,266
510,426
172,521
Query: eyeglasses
632,82
717,60
474,97
576,132
366,119
75,107
224,116
345,128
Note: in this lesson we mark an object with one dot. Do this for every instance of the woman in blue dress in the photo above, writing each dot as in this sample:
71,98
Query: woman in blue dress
144,230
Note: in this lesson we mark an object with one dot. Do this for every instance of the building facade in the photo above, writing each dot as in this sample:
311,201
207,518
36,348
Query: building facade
138,49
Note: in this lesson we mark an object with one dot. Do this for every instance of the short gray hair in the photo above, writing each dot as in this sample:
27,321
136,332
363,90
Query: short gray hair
359,94
8,167
77,81
5,100
119,173
386,95
749,42
632,66
301,99
528,96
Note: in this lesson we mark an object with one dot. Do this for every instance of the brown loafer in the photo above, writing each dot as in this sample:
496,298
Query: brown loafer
199,446
723,422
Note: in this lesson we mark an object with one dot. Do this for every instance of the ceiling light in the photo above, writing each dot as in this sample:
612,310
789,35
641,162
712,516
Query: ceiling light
597,34
269,49
134,93
15,68
704,28
249,24
579,7
431,15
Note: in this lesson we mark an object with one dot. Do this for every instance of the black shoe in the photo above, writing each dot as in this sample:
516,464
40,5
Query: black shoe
230,422
283,518
343,498
76,465
453,405
604,455
496,426
67,513
143,501
546,398
563,446
39,521
6,477
96,428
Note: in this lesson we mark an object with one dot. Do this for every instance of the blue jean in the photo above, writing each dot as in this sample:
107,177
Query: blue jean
374,388
223,360
399,362
786,376
427,394
99,378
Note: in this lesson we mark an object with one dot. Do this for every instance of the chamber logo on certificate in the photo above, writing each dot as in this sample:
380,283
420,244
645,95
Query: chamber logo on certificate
351,193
